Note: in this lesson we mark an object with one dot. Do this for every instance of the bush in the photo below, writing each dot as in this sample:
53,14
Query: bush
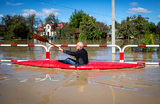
148,40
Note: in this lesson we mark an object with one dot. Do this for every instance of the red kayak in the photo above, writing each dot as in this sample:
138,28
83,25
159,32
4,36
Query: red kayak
92,65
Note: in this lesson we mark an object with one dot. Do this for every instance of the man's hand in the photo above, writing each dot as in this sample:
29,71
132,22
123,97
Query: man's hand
60,49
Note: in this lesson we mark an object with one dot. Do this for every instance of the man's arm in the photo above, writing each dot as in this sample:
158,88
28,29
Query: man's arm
76,54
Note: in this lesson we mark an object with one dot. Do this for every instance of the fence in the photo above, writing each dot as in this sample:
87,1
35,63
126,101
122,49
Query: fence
48,49
25,45
73,45
85,45
149,63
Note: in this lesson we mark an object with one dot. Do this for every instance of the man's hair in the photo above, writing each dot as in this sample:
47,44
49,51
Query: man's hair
80,44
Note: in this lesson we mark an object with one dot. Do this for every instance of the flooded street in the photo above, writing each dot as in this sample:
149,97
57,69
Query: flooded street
33,85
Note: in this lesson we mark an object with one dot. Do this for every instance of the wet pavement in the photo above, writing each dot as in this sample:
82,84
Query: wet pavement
33,85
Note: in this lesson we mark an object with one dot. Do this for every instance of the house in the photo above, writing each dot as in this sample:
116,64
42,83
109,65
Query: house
49,29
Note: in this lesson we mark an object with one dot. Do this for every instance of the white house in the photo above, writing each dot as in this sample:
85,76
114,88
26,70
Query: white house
49,29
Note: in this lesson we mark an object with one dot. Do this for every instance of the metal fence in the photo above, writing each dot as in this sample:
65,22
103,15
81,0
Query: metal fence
121,51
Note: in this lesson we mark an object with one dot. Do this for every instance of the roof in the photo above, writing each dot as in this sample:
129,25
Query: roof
59,26
40,28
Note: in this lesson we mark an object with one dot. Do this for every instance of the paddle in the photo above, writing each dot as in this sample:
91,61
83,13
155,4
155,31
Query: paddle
40,38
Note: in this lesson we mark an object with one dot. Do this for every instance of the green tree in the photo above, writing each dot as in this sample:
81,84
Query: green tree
148,40
31,23
52,19
89,30
117,25
158,30
21,30
16,27
88,27
76,18
132,26
158,25
149,27
138,23
7,20
126,30
103,28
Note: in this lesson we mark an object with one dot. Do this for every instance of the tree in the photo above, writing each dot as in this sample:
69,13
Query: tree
31,23
86,24
126,30
132,26
158,25
158,29
89,30
103,28
21,30
20,27
76,18
7,20
52,19
149,39
15,27
149,27
138,19
117,25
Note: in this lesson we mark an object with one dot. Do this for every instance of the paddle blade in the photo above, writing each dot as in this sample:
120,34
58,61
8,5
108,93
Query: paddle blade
40,38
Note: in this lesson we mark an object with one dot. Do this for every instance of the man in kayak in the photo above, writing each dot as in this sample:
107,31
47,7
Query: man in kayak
81,55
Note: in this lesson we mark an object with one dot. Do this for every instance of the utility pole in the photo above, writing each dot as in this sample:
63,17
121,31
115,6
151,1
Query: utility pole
113,25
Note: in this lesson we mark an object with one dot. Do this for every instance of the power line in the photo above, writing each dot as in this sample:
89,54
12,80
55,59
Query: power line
72,8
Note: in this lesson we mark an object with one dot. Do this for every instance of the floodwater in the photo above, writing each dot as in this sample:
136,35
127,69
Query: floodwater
32,85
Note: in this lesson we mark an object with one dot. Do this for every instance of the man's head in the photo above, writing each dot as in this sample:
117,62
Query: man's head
79,45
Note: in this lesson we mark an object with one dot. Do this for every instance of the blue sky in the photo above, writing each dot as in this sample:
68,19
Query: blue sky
99,9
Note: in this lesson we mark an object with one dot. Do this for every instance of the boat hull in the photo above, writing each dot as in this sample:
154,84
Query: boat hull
92,65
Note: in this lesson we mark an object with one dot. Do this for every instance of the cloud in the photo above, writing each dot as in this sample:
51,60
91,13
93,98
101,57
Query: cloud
28,12
133,4
158,16
1,15
13,4
49,11
138,10
44,13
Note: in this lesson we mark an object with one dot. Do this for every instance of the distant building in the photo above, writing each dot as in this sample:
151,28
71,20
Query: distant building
77,33
110,33
49,29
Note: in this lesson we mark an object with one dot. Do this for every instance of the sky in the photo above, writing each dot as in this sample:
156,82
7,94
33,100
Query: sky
101,10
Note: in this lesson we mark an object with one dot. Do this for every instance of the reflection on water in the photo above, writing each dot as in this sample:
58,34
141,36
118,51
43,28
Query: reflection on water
74,81
114,78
